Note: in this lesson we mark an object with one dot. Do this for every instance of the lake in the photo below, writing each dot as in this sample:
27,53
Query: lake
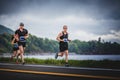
71,57
78,57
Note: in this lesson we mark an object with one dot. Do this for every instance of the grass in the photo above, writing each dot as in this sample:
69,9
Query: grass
76,63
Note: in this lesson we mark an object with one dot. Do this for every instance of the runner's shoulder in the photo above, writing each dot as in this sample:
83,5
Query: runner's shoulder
25,29
60,34
16,31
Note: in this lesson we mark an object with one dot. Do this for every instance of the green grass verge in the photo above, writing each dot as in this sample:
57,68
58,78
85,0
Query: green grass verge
75,63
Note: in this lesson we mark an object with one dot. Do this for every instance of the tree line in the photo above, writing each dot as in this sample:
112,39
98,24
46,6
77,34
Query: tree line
45,45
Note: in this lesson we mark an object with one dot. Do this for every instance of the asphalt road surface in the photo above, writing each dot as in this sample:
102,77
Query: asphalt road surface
44,72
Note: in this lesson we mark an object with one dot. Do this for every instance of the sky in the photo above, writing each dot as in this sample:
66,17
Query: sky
86,19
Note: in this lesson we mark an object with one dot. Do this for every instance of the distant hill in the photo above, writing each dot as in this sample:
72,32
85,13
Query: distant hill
4,29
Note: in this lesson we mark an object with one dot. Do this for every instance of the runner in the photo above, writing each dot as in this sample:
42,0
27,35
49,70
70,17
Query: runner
16,51
63,44
22,36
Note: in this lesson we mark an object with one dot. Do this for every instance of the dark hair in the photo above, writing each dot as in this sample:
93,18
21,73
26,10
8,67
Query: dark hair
21,24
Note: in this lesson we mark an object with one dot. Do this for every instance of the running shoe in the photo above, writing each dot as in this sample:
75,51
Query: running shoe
56,55
66,65
17,62
23,63
11,59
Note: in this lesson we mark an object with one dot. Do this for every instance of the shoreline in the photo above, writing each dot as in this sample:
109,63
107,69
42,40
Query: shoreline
109,64
73,57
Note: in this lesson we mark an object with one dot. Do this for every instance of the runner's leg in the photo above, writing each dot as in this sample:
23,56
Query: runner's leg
14,54
21,53
18,54
66,56
60,54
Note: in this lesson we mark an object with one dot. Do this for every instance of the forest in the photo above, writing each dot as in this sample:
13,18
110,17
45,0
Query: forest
45,45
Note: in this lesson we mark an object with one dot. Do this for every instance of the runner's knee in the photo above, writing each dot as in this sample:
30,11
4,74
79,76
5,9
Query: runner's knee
21,49
66,52
62,54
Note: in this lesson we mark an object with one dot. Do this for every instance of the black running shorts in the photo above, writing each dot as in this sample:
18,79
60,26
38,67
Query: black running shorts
22,44
63,46
15,48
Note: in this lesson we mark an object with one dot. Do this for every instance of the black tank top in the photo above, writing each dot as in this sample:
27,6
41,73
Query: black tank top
64,36
21,34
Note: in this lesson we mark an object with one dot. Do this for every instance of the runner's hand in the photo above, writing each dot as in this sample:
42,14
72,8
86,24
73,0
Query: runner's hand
25,37
16,37
69,40
62,40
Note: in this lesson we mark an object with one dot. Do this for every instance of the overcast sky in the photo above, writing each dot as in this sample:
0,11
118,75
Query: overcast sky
86,19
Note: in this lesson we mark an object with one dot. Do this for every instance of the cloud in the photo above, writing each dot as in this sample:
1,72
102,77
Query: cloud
116,33
110,8
87,19
113,36
83,35
98,9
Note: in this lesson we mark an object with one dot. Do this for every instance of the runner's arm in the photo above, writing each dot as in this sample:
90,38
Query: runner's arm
69,39
27,35
58,37
12,42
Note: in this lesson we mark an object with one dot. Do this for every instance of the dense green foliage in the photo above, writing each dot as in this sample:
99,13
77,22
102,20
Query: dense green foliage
35,44
94,47
39,45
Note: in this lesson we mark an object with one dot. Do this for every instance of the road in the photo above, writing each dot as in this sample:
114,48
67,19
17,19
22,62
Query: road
44,72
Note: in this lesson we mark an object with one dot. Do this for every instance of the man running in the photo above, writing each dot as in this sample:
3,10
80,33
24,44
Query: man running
16,51
63,44
22,36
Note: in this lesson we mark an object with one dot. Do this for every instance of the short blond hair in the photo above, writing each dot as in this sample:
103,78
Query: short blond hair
65,26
